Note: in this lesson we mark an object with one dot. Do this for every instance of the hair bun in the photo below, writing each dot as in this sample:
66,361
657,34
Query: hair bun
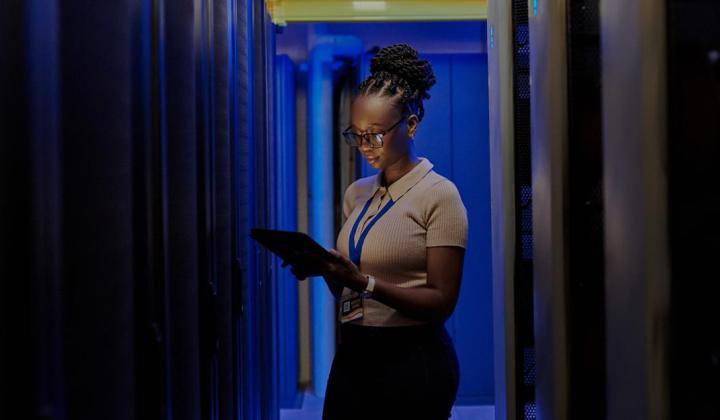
403,61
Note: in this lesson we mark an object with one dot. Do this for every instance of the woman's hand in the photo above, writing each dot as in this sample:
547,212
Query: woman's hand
300,272
340,271
433,301
346,272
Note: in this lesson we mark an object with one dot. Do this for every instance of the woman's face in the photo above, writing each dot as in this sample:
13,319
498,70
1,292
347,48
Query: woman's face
374,114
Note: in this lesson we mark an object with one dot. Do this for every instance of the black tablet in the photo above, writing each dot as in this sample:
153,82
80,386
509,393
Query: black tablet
295,248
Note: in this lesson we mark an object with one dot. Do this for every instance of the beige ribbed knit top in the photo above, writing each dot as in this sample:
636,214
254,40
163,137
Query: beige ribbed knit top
428,211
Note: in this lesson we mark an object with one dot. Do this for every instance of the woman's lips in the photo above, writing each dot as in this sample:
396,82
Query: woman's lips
371,160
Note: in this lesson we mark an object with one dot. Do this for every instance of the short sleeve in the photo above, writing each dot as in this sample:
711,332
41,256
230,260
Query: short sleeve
447,223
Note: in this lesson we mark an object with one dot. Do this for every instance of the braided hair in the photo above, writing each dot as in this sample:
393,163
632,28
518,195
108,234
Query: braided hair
397,71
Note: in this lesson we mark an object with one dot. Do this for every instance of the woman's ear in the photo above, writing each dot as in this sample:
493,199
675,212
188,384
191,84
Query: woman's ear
412,123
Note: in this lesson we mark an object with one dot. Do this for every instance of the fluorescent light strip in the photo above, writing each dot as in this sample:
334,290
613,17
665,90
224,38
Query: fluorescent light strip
370,6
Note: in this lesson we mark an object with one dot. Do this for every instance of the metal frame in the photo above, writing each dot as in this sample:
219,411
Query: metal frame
260,364
548,73
502,190
284,11
636,242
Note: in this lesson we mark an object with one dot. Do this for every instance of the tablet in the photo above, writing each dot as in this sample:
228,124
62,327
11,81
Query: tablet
295,248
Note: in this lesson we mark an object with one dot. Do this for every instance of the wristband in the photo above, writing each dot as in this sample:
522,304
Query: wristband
370,287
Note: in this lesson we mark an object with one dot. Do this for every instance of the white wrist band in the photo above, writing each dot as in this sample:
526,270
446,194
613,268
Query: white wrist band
370,286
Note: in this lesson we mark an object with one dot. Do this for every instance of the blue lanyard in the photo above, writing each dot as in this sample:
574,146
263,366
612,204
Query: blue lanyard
356,249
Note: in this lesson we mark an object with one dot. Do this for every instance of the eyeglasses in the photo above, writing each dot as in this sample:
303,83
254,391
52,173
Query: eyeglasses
372,140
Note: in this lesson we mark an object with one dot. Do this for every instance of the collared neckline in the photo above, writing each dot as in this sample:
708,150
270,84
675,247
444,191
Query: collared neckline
398,188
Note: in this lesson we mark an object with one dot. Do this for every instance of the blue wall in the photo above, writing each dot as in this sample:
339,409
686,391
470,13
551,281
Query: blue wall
454,137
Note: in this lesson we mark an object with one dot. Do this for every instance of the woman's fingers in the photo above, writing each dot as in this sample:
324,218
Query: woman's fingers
343,260
323,264
337,266
335,253
339,256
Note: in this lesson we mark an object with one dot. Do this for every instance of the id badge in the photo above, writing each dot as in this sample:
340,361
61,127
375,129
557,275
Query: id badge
351,307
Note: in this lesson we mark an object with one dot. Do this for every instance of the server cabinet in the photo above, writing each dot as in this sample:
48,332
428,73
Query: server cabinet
124,281
693,148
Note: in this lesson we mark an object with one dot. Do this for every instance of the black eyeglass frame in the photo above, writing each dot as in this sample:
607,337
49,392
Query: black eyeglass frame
351,137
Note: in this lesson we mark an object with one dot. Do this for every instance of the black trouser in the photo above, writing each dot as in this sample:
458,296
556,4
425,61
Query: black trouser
392,373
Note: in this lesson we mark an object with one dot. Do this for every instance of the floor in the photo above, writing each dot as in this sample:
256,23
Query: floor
312,410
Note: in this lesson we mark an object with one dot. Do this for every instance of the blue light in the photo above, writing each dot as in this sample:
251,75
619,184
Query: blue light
535,7
321,206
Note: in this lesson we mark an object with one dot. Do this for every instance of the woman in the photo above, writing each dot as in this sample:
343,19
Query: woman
399,258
